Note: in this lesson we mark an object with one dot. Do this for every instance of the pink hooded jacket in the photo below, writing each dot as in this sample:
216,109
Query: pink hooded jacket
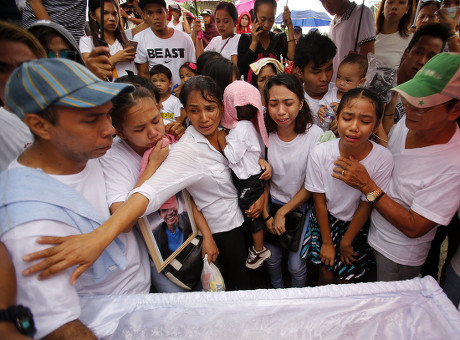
240,93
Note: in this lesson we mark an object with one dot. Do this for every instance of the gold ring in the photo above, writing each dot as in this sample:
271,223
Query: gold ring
343,172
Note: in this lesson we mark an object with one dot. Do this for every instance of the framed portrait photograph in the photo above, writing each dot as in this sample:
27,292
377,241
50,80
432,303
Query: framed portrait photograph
169,230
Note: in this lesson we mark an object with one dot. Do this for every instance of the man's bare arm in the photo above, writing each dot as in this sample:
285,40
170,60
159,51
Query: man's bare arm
72,330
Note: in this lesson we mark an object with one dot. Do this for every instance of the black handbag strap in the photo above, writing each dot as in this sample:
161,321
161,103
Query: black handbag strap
359,27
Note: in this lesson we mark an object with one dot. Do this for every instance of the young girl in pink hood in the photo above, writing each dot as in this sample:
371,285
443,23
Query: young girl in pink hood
244,23
243,115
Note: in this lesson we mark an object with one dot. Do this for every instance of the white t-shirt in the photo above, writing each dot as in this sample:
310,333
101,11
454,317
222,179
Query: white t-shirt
178,27
86,46
389,48
343,32
226,47
15,136
194,164
425,180
341,199
54,301
171,109
315,104
171,52
243,150
121,166
289,162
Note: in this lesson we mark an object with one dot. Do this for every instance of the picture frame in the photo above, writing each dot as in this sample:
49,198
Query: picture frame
174,213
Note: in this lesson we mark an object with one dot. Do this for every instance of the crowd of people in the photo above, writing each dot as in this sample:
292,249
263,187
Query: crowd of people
310,159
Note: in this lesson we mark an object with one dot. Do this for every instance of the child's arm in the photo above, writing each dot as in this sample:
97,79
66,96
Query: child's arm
280,217
347,254
209,245
327,253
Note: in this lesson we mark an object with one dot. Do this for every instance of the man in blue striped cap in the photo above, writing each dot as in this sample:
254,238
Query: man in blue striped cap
56,188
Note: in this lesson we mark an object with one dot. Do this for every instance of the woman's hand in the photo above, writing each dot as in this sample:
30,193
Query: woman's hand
126,55
98,62
279,223
287,16
82,250
175,129
322,113
209,247
269,225
256,209
256,30
347,255
334,126
443,17
327,254
158,154
196,26
334,106
267,174
353,173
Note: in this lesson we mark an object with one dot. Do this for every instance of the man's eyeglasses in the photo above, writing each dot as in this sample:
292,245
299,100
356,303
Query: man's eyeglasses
421,111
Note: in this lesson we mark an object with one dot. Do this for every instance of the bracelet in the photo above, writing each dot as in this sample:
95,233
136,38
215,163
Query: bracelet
455,35
267,218
383,140
290,40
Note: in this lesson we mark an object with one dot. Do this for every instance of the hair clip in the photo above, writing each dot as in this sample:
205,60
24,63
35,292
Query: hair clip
192,66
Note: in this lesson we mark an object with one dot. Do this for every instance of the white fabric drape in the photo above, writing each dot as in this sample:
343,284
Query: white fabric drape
413,309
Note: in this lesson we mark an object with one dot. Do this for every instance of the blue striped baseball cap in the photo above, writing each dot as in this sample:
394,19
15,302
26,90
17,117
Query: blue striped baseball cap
38,84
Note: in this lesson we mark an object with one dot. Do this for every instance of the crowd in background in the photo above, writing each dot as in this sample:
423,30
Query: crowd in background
310,158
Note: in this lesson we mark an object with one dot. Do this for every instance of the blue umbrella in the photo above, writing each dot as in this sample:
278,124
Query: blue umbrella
307,18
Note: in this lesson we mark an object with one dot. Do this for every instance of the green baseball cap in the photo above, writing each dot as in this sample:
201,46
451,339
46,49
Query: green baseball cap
435,83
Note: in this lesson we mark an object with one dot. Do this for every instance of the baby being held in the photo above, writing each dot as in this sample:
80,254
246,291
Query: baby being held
350,75
243,115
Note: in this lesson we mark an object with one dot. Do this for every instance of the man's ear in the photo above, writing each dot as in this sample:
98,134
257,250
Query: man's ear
454,111
38,125
297,71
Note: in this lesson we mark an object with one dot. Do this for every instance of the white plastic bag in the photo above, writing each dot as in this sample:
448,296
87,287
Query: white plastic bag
211,278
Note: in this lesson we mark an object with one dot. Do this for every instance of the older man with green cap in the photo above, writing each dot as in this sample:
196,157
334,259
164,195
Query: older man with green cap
424,188
56,187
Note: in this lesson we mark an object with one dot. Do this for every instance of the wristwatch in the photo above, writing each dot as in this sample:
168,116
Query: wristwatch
21,317
374,196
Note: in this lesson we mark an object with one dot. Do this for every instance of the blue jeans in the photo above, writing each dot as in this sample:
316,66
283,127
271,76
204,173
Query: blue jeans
452,286
296,265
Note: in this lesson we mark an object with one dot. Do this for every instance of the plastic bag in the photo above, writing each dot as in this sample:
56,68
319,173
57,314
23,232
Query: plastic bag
211,278
380,78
